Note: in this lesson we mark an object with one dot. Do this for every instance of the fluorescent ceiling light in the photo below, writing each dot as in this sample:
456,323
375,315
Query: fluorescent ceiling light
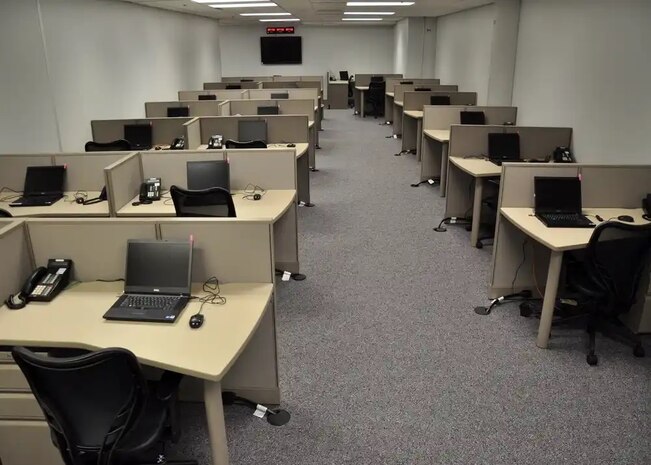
278,20
361,19
229,1
265,14
379,3
243,5
378,13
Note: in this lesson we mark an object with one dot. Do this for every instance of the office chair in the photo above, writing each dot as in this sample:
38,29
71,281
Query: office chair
351,96
211,202
113,146
375,98
99,407
251,144
5,214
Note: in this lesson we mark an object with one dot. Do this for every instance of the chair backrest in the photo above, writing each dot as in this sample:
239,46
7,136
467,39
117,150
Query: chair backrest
90,402
113,146
377,88
250,144
5,214
616,257
212,202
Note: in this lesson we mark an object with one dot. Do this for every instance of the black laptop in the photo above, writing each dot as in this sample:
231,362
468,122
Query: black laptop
157,283
557,202
139,135
503,147
268,110
43,186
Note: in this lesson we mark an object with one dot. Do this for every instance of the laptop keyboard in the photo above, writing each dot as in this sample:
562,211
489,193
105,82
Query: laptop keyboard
150,301
569,219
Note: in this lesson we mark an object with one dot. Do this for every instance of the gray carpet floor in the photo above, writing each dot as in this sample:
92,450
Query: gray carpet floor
383,361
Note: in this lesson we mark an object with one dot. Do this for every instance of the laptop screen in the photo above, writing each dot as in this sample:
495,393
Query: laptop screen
158,267
557,194
43,180
207,174
503,146
268,110
472,117
439,100
251,130
207,97
139,135
178,111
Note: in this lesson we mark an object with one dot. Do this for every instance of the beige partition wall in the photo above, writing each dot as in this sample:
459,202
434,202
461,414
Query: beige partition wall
164,130
281,129
400,89
171,166
230,85
417,100
230,94
392,82
16,255
247,78
195,108
123,179
293,94
363,80
85,171
14,167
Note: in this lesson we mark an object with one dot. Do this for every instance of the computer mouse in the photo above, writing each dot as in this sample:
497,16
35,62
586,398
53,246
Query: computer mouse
625,218
196,321
291,145
257,196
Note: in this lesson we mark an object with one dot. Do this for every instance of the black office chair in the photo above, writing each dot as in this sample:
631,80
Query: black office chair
5,214
212,202
99,407
113,146
374,97
351,96
251,144
439,100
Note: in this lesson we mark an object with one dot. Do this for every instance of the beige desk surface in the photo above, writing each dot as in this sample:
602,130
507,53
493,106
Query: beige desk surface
64,207
414,114
400,104
361,87
564,238
338,82
477,167
301,148
390,94
270,207
441,135
74,319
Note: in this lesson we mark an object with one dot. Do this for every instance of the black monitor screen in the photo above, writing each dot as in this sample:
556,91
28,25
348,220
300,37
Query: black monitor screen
246,80
557,194
439,100
252,130
44,179
406,82
423,89
472,117
268,110
233,86
281,50
178,111
280,95
207,174
158,266
503,146
208,97
343,75
139,135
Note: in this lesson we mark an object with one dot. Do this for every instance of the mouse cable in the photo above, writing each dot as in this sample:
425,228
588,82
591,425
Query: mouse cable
212,297
250,190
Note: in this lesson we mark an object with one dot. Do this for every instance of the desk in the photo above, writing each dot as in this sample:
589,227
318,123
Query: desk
434,156
397,117
556,241
358,94
388,105
412,131
74,320
63,208
337,95
462,174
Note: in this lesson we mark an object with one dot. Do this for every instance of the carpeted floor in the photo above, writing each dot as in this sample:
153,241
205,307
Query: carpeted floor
383,361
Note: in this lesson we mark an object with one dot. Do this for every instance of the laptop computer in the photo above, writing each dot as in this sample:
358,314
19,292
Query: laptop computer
207,97
207,174
139,135
503,147
557,202
157,282
43,186
472,117
268,110
173,112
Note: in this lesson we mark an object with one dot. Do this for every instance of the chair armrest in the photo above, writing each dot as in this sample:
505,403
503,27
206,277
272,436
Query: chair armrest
168,385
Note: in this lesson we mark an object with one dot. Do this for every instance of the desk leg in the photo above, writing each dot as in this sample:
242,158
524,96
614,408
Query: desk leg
419,137
356,100
444,169
361,96
476,211
212,393
551,287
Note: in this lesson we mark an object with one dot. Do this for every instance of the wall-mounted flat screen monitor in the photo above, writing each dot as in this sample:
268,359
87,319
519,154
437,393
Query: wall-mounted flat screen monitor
281,50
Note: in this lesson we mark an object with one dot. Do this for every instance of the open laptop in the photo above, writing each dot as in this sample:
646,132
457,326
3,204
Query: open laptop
157,283
207,174
43,186
139,135
557,202
503,147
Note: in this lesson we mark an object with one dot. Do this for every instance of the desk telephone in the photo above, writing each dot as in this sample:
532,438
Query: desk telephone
44,284
150,190
563,155
215,142
178,143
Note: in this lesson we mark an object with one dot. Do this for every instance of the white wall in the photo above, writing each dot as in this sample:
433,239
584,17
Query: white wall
105,59
357,49
401,46
587,64
414,47
463,50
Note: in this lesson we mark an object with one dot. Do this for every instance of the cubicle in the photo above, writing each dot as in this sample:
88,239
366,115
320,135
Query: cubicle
391,83
432,150
164,130
471,177
292,94
235,350
362,82
229,85
239,79
523,243
195,108
84,179
230,94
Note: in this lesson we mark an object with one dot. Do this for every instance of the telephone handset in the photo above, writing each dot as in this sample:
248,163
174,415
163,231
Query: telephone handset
103,196
150,190
178,143
44,284
215,142
646,206
563,155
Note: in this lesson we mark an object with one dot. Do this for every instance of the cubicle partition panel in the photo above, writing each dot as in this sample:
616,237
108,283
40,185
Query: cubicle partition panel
195,108
281,129
228,94
294,94
238,79
164,130
271,169
285,107
85,171
417,100
289,84
363,80
399,90
224,85
13,169
443,116
123,179
419,82
17,259
170,166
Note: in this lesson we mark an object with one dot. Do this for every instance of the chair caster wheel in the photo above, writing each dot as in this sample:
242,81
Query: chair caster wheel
592,359
525,309
468,228
479,245
638,351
